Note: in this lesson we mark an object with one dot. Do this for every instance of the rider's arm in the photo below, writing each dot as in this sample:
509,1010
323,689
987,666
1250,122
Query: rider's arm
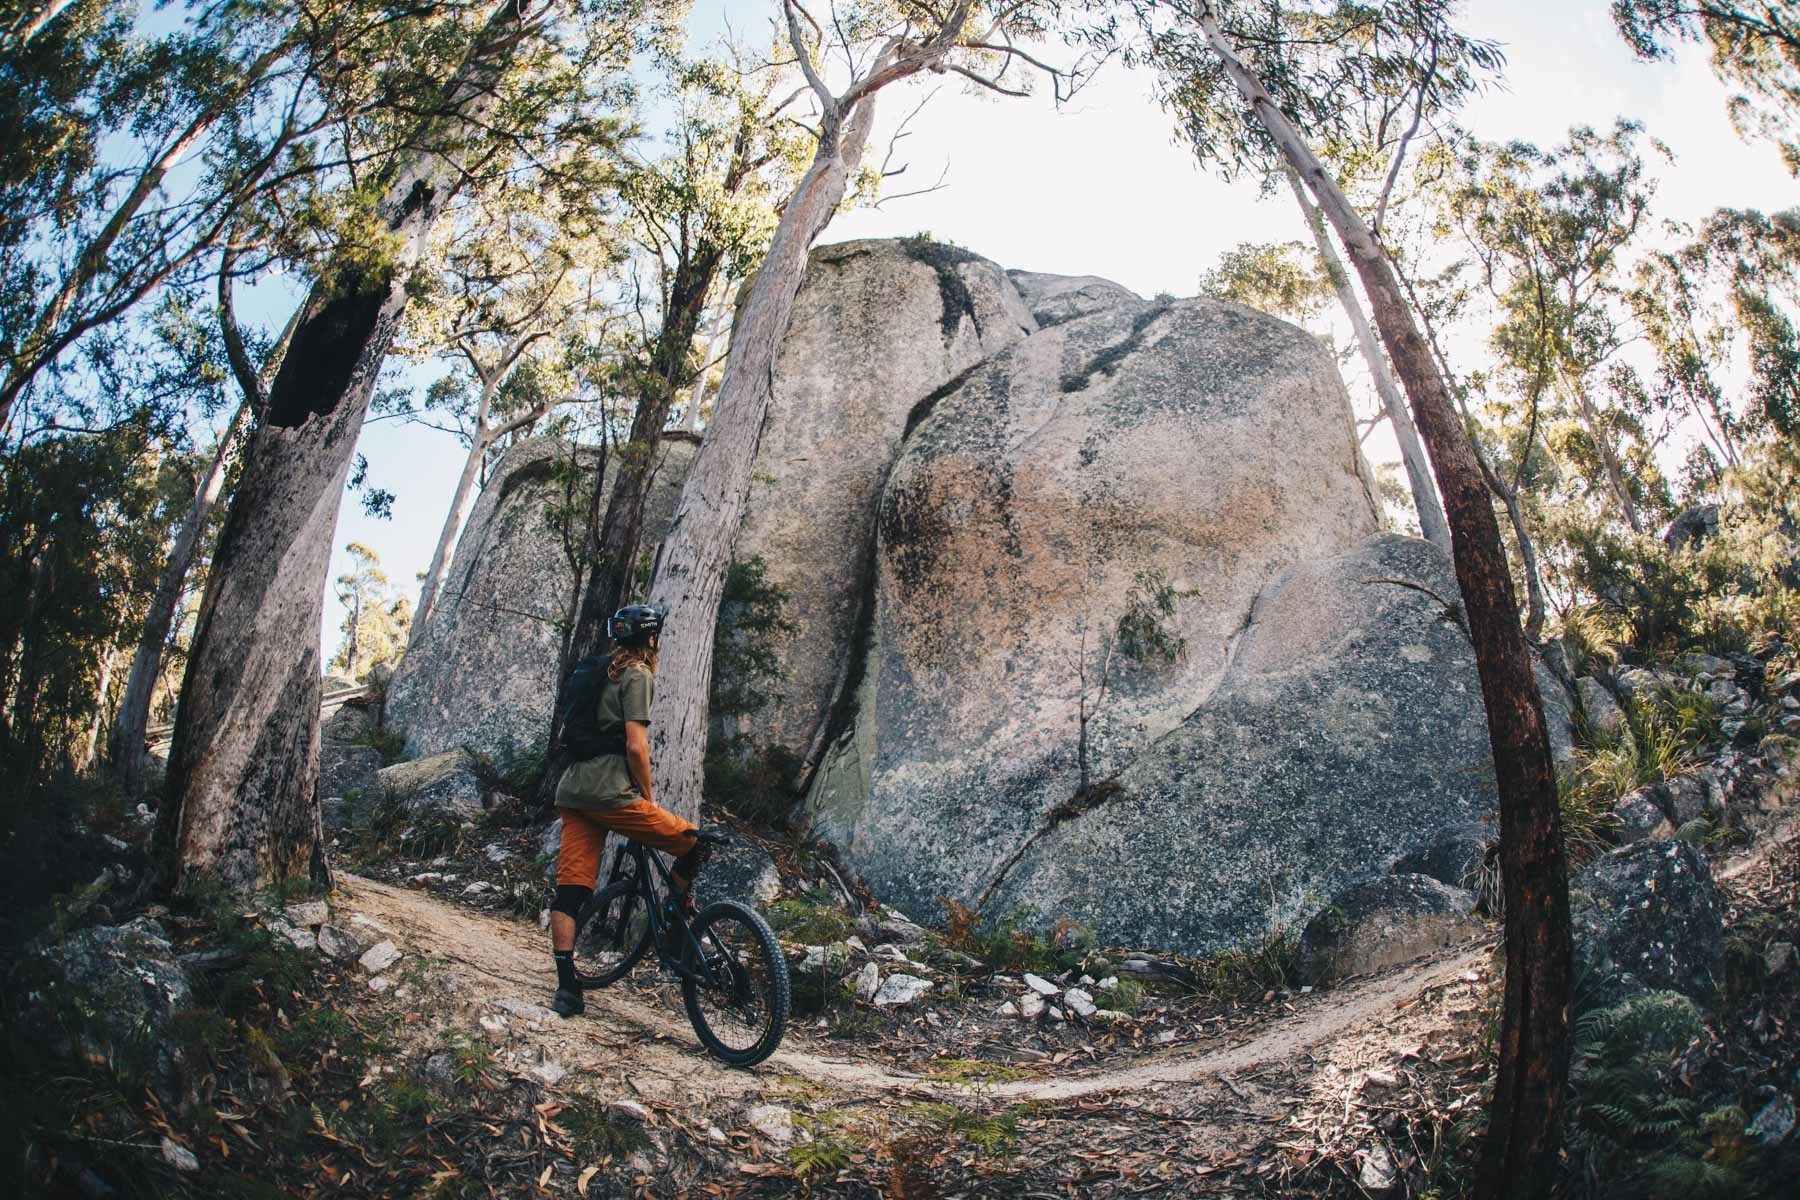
637,756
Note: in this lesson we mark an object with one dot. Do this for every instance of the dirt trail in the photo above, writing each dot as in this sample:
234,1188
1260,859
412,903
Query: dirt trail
500,967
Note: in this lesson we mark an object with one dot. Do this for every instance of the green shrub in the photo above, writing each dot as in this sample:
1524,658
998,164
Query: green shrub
814,919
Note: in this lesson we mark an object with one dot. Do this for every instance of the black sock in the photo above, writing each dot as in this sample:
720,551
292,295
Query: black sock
565,968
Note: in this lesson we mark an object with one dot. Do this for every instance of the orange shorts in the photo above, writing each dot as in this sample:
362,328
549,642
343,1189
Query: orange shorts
584,836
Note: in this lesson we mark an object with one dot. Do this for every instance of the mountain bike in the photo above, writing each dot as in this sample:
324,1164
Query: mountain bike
734,980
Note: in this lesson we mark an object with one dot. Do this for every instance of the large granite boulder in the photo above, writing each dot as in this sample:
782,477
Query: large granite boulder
1647,917
1383,922
118,988
439,785
1168,463
878,328
483,675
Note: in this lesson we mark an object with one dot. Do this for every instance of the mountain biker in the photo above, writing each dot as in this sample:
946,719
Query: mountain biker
611,791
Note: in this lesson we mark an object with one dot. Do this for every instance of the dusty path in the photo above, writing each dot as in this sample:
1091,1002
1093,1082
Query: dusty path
500,966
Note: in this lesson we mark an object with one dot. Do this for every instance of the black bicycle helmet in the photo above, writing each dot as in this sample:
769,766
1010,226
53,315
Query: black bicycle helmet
635,624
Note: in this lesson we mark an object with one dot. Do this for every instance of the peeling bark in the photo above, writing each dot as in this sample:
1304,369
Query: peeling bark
1519,1155
241,808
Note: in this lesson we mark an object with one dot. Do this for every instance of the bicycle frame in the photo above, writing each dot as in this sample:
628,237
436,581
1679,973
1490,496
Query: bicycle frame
668,954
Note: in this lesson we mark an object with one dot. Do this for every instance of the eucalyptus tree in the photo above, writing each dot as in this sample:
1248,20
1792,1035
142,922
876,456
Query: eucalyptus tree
516,298
698,216
125,751
241,810
1755,51
148,161
1252,82
1554,230
868,47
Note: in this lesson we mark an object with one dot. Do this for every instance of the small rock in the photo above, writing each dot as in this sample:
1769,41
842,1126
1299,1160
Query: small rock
1641,818
867,982
773,1122
498,855
380,983
1381,1079
1031,1006
1009,1009
630,1108
549,1072
1080,1003
427,877
308,914
1109,1016
341,944
529,1012
299,939
1164,1037
856,943
491,1022
1108,984
1376,1173
900,990
715,1135
891,953
1040,985
179,1156
1778,958
380,957
1604,716
1774,1122
479,887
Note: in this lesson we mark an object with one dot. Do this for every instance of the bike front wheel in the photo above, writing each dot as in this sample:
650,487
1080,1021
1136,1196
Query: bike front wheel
737,996
611,934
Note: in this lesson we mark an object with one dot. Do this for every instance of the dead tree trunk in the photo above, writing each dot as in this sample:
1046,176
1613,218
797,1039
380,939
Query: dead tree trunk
125,741
241,809
1412,454
1519,1157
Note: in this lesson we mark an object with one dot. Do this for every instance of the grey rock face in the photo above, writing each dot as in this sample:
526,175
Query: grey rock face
878,327
1692,528
1559,712
1348,734
1647,917
128,978
981,743
484,673
443,784
739,871
1641,816
349,772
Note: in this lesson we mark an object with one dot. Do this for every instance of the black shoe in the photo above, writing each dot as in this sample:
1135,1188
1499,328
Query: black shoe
567,1002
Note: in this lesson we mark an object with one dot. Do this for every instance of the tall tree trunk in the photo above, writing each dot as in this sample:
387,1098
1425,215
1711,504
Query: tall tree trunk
91,746
1412,454
690,568
125,742
1576,390
1519,1156
241,809
453,521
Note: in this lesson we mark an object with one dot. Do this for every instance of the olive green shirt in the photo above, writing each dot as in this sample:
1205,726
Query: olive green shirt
605,782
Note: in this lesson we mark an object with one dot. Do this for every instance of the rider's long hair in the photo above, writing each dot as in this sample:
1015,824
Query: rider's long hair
627,657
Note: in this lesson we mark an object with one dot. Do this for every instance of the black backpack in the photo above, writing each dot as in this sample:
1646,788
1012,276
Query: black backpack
581,735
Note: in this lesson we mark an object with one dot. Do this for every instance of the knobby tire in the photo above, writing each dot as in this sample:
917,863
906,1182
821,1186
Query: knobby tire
612,934
741,949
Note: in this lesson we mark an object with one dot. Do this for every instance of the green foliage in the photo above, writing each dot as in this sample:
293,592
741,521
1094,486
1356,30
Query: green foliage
376,617
1017,942
814,919
1123,996
993,1134
975,1072
1142,634
1631,1129
1283,278
1269,964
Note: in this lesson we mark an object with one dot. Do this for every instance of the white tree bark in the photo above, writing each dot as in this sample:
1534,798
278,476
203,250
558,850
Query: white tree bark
32,25
241,809
1412,454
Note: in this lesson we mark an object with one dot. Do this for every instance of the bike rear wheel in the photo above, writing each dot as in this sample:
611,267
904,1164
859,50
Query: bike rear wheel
611,934
739,1000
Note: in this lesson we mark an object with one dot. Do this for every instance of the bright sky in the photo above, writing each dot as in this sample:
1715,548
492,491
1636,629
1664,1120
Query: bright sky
1101,188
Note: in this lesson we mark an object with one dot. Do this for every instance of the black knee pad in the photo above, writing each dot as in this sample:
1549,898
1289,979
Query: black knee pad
569,899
